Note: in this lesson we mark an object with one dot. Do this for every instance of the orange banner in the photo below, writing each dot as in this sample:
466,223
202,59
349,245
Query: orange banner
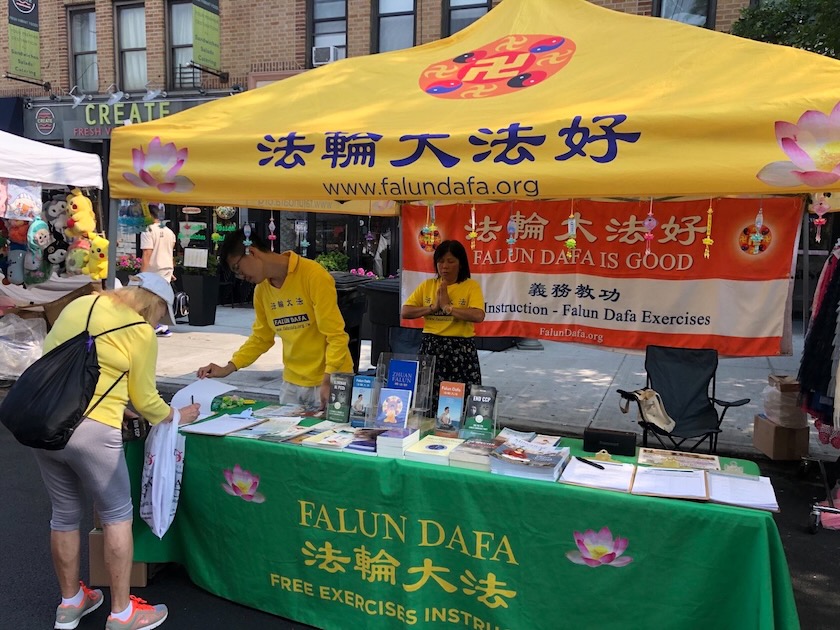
634,274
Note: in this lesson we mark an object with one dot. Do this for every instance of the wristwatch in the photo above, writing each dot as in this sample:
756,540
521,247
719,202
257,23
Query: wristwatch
447,309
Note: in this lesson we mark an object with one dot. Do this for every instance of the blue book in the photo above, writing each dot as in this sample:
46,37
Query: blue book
402,374
360,398
393,407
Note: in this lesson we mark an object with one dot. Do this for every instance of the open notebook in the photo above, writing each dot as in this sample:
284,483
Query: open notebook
744,490
678,483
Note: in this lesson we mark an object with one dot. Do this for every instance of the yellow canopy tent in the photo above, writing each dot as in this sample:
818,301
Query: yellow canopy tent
538,99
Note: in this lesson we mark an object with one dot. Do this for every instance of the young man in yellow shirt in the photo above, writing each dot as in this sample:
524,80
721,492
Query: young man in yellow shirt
295,299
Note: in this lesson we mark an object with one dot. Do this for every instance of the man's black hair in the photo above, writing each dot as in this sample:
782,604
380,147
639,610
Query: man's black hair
234,246
456,249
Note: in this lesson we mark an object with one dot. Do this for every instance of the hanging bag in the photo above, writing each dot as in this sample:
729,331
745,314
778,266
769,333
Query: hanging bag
163,469
651,407
49,400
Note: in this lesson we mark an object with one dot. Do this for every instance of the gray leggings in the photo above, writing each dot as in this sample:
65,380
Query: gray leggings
93,462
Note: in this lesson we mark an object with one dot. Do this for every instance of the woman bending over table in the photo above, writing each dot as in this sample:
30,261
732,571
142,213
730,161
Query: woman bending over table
93,461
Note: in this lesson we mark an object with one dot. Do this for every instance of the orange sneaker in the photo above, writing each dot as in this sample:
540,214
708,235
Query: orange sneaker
143,616
68,617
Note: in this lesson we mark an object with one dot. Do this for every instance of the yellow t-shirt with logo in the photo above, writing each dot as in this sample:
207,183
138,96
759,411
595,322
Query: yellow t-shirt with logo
466,294
304,313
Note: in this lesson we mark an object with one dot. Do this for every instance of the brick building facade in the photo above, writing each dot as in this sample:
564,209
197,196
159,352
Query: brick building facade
263,41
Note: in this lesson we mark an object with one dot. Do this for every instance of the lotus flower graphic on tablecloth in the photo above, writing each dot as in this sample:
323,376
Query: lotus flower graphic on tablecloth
599,548
243,484
158,168
813,146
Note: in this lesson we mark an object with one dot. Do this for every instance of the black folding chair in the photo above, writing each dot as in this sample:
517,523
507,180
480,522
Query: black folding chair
685,380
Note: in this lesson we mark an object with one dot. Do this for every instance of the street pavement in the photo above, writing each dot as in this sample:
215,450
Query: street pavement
560,388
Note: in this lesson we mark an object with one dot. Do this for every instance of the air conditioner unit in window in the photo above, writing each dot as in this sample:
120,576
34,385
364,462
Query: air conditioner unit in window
322,55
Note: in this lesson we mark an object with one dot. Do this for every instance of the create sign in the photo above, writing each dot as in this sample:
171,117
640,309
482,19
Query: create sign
608,290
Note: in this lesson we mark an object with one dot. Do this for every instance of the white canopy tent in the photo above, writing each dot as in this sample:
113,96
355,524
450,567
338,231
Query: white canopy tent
34,161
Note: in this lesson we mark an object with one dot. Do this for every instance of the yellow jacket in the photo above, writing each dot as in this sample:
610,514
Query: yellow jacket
304,314
132,349
466,294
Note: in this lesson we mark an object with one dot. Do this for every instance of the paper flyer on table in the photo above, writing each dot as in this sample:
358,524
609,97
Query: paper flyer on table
202,391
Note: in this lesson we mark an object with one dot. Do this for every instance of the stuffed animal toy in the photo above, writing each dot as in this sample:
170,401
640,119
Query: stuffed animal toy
18,230
4,234
81,220
38,237
56,252
35,269
15,267
97,264
77,256
55,213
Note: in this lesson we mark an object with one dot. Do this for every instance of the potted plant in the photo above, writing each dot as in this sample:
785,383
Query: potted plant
127,265
333,261
202,287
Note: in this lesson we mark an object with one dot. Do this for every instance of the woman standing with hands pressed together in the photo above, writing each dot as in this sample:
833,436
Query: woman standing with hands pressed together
450,304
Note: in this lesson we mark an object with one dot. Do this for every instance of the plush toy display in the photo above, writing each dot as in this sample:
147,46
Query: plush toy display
82,220
55,213
97,264
77,256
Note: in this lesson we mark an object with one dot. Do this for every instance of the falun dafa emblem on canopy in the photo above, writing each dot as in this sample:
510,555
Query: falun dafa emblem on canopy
509,64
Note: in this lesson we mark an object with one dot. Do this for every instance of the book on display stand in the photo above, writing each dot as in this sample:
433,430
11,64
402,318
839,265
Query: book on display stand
419,414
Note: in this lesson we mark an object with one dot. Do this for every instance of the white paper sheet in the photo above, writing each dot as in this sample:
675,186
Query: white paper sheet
202,391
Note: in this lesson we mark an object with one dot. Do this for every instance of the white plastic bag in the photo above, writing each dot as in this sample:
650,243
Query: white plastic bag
163,468
21,344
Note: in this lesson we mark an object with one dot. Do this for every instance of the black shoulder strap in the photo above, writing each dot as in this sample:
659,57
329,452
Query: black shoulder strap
87,324
108,391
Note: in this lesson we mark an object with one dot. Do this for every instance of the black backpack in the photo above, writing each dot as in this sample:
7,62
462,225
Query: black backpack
49,400
181,308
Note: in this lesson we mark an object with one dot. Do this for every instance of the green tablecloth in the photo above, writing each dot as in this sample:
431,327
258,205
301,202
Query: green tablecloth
339,540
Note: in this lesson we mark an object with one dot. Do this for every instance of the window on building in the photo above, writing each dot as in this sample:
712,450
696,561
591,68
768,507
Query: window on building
84,66
329,25
182,75
395,25
694,12
458,14
131,47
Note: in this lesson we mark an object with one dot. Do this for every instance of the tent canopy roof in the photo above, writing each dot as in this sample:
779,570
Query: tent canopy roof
538,99
39,162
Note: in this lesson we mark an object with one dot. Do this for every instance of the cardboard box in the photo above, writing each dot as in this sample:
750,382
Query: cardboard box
141,572
784,383
53,309
778,442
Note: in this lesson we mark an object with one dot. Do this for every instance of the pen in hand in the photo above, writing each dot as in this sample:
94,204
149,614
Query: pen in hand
591,463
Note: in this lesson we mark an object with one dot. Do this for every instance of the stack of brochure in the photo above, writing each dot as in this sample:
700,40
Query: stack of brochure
393,442
521,458
432,449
